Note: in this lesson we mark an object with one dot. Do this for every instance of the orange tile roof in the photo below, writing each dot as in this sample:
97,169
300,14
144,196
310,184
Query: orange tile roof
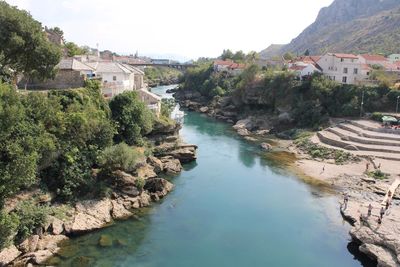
374,57
345,56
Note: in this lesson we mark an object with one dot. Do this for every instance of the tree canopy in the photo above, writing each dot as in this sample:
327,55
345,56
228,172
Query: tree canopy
24,47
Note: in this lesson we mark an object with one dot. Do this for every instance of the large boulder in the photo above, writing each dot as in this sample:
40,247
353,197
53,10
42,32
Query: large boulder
30,244
118,210
185,153
90,215
51,242
146,171
9,254
56,225
131,191
156,163
266,146
124,179
171,166
384,257
158,186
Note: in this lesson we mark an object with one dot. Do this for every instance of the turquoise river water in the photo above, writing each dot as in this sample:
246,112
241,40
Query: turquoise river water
231,207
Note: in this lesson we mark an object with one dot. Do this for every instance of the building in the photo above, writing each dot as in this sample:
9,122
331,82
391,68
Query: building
71,73
152,101
229,66
117,78
344,68
304,66
394,57
373,60
303,70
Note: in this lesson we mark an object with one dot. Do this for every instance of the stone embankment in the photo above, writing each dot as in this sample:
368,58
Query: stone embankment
89,215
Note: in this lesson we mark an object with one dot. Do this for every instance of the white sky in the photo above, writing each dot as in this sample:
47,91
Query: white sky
176,27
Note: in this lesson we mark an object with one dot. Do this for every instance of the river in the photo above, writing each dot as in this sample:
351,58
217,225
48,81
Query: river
232,207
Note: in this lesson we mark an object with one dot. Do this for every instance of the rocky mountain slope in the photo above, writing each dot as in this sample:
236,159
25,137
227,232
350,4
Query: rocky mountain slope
353,26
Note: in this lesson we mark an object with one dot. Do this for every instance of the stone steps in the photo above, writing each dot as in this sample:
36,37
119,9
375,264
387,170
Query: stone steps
331,140
351,136
374,127
335,139
365,133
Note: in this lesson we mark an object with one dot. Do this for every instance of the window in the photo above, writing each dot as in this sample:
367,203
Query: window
355,71
345,70
114,78
367,73
342,60
334,78
344,79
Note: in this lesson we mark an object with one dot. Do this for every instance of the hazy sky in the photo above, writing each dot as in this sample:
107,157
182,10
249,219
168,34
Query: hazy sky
182,27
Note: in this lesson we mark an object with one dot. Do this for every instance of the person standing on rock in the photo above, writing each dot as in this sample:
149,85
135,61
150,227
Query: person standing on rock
387,204
382,212
369,209
367,166
346,199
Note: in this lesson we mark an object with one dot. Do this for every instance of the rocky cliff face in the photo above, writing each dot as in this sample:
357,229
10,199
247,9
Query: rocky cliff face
353,26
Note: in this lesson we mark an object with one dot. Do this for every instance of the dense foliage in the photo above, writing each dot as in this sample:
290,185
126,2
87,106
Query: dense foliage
119,157
54,139
208,82
132,116
24,47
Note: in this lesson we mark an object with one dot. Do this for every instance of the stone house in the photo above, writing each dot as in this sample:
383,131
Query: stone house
344,68
229,66
152,100
71,73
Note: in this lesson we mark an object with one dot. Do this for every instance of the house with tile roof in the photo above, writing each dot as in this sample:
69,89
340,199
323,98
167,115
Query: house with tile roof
229,66
344,68
117,77
71,73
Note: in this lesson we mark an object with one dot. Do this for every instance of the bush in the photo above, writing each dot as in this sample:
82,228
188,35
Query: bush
119,157
8,228
139,183
30,217
378,174
377,116
133,118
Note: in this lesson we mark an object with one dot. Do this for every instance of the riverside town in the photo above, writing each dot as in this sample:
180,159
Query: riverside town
143,133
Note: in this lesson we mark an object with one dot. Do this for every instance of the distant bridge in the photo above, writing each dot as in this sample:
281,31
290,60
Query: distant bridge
169,65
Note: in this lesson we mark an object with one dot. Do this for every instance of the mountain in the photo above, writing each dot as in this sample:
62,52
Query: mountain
352,26
271,51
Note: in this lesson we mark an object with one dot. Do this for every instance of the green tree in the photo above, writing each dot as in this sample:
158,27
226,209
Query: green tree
8,228
307,52
133,118
73,49
24,47
239,56
289,56
227,54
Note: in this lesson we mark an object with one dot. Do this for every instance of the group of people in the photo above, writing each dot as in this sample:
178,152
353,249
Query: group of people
383,209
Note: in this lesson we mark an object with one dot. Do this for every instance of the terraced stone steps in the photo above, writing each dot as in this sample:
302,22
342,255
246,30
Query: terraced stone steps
350,136
369,134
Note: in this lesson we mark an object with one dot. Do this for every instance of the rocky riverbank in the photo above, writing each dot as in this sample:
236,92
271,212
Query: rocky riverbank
43,248
381,242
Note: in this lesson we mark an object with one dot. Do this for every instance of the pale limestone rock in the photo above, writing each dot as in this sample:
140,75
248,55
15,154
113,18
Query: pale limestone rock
30,244
9,254
171,166
119,211
50,242
156,163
